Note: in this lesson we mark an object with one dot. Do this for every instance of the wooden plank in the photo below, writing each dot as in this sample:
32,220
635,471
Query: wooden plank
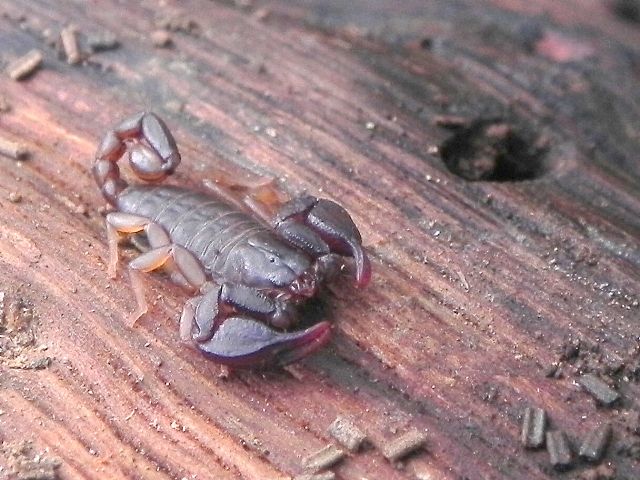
479,288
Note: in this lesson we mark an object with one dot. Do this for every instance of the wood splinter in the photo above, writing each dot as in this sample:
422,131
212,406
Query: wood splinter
595,443
24,66
404,445
534,422
560,456
347,434
316,476
70,45
598,389
13,150
323,458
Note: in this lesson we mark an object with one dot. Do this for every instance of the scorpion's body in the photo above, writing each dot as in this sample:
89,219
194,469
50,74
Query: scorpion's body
249,275
208,227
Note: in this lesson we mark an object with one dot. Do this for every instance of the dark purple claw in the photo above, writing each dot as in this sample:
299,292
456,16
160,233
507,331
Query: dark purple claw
242,342
323,222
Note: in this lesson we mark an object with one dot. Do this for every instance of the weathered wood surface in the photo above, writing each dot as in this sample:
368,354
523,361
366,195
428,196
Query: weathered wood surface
479,287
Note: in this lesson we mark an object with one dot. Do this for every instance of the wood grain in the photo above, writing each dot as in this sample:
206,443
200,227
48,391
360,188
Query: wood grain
479,287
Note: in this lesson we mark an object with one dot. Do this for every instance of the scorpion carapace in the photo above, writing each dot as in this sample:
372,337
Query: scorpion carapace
249,275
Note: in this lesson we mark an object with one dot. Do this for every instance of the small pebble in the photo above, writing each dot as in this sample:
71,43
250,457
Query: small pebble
323,458
261,13
560,456
347,434
25,65
179,23
15,197
403,445
598,389
595,443
534,422
161,39
433,149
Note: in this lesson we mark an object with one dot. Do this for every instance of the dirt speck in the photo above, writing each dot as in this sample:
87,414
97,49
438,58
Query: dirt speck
602,472
5,106
15,197
25,463
18,347
179,22
161,39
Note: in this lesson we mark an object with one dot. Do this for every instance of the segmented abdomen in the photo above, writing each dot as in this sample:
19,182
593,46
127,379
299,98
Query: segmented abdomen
204,225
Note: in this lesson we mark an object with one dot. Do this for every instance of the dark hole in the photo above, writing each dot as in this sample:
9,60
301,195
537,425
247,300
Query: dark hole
426,43
628,10
313,311
493,150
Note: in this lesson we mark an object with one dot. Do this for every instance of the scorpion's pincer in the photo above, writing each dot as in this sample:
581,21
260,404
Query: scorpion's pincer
241,341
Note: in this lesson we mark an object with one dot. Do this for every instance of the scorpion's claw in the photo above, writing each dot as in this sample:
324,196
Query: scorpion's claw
241,341
305,218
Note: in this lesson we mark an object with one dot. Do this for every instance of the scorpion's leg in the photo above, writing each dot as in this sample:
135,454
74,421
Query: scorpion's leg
172,256
320,226
126,223
183,265
257,196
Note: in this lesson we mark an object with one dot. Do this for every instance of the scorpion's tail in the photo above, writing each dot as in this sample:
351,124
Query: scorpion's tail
153,153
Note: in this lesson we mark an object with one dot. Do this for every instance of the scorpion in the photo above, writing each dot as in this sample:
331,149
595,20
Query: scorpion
249,275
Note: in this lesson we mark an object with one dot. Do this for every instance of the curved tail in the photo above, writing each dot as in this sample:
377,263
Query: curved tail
153,154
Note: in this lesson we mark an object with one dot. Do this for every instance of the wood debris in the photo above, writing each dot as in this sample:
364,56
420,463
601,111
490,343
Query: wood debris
13,150
452,122
598,389
323,458
403,445
70,45
534,422
347,434
24,66
560,455
316,476
595,443
23,462
102,41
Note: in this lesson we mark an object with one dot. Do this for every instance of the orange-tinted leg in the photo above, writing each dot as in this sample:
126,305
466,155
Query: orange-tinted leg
163,253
